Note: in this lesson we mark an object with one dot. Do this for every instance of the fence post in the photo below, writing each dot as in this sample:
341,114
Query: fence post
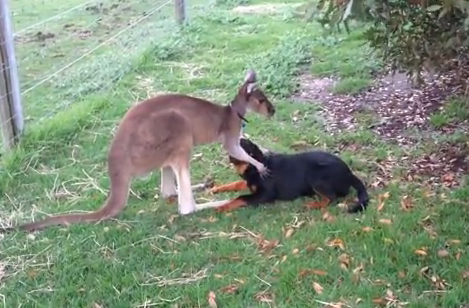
11,111
180,6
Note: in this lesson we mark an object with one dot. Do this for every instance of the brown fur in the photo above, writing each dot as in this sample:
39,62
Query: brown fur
159,133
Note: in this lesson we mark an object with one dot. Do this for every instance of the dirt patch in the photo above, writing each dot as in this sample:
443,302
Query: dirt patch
391,108
393,103
443,166
267,8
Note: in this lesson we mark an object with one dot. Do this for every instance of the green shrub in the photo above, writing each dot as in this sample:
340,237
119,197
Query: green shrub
411,35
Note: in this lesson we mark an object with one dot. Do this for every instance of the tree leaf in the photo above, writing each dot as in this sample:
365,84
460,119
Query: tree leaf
318,288
211,300
434,8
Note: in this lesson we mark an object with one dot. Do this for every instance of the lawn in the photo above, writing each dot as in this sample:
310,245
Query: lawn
410,246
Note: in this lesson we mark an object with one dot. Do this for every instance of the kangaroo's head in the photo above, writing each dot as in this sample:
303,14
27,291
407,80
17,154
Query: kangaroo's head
251,97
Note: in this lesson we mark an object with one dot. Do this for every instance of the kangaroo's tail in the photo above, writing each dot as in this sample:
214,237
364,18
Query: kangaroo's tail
115,203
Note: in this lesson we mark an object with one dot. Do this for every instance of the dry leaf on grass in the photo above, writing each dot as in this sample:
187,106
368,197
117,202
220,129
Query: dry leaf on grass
379,301
385,221
295,251
420,252
443,253
344,260
465,274
337,242
356,273
406,203
316,272
367,229
297,145
289,232
211,300
328,217
264,297
318,288
381,200
96,305
266,246
230,289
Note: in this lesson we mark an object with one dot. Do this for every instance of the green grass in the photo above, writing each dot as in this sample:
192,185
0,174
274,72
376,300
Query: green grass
351,85
144,256
455,109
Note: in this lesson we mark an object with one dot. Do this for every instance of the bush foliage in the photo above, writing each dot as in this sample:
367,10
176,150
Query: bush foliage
411,35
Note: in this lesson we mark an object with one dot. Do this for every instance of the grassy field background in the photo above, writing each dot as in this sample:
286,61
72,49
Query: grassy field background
409,248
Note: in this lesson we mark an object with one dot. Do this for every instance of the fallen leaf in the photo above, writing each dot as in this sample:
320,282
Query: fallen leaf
420,252
264,297
230,289
388,241
310,248
465,274
211,300
96,305
458,255
443,253
344,260
179,238
456,242
284,258
425,270
212,219
328,217
289,233
379,301
218,276
318,288
317,272
337,242
401,274
406,203
367,229
295,251
299,144
385,221
265,245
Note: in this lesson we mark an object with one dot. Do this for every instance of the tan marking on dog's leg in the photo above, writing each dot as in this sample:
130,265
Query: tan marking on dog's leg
234,186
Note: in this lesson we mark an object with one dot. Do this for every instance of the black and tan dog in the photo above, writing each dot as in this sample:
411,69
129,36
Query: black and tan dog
293,176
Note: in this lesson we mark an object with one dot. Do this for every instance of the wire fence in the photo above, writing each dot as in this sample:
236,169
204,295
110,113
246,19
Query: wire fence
81,49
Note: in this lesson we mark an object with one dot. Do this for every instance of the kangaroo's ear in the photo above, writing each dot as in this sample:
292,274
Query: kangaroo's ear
250,76
250,87
249,83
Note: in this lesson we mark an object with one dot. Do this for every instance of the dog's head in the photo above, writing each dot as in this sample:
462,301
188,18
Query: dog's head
252,150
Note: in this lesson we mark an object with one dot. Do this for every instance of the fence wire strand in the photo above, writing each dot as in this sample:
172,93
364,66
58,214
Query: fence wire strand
131,25
54,17
96,47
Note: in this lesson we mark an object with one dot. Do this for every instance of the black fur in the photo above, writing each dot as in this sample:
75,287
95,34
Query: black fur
299,175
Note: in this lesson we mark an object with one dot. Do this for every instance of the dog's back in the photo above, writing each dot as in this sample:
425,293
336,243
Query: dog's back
295,175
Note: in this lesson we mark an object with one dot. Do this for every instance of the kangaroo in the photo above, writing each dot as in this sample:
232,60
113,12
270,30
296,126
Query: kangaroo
160,133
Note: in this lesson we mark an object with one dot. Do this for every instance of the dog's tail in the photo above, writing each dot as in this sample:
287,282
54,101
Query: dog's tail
362,195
